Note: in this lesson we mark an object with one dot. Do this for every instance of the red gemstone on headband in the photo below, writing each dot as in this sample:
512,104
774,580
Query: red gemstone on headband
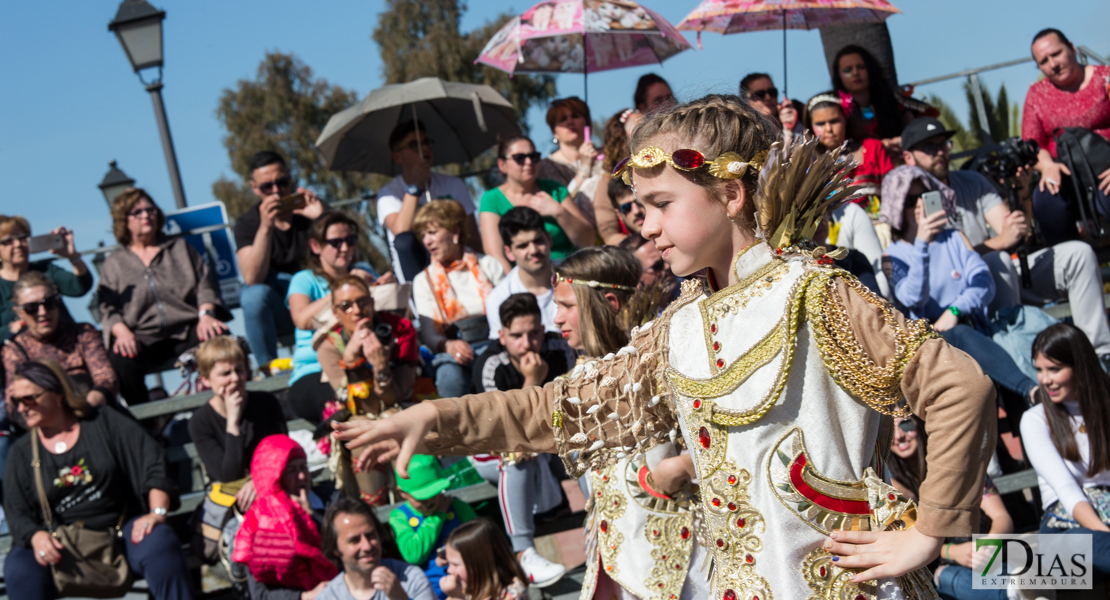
703,438
621,164
688,159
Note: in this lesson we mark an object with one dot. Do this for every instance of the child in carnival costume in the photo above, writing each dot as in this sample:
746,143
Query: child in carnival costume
779,370
635,545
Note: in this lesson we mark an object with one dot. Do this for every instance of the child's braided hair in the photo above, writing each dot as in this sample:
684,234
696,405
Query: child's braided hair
712,125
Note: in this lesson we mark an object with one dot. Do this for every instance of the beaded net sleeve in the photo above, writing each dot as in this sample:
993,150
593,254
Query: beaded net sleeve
619,405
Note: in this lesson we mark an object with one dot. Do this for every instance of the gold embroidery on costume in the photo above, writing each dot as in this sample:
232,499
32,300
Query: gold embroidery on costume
830,582
608,506
828,504
673,538
844,357
733,524
733,299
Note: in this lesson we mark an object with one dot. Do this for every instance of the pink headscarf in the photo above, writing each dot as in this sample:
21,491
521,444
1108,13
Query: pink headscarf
896,185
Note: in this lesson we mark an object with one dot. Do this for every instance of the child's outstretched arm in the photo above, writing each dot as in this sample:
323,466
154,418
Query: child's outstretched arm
948,390
607,403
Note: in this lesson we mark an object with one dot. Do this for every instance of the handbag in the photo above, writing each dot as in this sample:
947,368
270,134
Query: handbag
1098,497
1086,154
213,513
93,563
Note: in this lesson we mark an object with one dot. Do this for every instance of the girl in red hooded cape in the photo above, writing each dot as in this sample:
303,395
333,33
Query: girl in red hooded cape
278,540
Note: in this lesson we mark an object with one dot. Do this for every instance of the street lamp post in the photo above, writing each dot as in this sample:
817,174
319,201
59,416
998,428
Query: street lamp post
114,183
138,25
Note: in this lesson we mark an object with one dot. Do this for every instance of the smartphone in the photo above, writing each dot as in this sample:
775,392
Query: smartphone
46,242
933,203
586,134
292,202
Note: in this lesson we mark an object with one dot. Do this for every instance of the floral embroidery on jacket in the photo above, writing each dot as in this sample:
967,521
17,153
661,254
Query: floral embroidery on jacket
75,475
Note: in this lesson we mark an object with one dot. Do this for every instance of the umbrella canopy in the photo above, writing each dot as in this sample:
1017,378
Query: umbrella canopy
462,119
582,36
738,16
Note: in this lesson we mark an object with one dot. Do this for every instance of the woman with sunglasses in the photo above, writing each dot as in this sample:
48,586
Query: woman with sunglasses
157,298
77,347
906,465
333,245
574,164
519,161
15,234
370,360
100,470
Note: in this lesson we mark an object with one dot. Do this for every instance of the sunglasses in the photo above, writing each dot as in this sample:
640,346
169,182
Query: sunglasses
773,92
152,211
337,243
281,183
520,157
49,303
415,147
556,279
33,398
8,241
626,208
908,426
932,148
364,303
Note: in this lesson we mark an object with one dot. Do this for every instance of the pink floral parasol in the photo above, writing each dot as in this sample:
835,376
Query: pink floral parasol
582,36
739,16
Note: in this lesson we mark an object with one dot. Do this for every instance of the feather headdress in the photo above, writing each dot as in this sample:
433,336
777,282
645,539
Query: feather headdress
797,186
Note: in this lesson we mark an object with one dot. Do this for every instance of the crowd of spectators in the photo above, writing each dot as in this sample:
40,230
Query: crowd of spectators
487,312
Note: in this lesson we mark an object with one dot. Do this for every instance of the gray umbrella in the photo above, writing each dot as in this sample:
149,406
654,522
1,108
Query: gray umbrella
463,120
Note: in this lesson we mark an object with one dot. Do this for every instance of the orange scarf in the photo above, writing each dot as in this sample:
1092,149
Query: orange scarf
450,309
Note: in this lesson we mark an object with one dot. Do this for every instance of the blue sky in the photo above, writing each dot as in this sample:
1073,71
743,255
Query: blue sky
69,102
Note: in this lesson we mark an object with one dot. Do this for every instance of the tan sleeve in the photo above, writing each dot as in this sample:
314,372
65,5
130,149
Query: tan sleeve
328,356
602,410
946,388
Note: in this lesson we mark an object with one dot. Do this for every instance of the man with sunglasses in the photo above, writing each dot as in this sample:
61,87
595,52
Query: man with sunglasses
1068,270
761,93
272,245
631,212
414,152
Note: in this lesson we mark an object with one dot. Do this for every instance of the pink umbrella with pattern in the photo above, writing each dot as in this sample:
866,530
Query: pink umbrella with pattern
582,36
738,16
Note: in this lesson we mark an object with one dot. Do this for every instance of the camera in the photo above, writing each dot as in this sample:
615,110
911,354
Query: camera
1003,160
384,332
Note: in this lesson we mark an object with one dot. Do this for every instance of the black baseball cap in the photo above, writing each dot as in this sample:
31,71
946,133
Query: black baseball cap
922,129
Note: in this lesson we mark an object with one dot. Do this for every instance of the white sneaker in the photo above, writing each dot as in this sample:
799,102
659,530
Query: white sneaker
540,571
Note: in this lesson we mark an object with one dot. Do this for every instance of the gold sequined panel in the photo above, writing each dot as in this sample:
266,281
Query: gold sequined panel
608,507
735,298
847,362
672,538
733,525
828,504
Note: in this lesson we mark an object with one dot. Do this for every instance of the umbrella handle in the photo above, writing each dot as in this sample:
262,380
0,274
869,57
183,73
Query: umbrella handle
478,111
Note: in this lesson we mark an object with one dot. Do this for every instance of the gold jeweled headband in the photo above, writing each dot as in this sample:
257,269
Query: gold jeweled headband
729,165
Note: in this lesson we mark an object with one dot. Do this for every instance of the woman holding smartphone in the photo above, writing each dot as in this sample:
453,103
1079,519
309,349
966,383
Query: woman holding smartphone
15,254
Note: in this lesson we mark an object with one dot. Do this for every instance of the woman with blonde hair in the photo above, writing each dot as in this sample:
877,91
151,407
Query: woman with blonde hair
157,298
450,294
15,253
99,470
614,274
778,370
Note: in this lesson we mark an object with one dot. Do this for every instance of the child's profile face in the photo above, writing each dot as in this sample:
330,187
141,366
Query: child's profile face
455,566
688,225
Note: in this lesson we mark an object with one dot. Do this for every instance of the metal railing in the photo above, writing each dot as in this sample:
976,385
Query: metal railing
1085,56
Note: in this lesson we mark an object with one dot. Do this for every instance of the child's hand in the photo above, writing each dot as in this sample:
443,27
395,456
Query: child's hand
672,473
882,554
398,437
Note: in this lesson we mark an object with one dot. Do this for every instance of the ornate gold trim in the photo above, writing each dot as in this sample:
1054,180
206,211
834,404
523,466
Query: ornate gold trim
608,507
735,298
845,359
830,582
673,538
734,524
736,373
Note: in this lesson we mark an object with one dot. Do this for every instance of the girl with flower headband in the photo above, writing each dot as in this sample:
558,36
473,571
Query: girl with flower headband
827,117
780,371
